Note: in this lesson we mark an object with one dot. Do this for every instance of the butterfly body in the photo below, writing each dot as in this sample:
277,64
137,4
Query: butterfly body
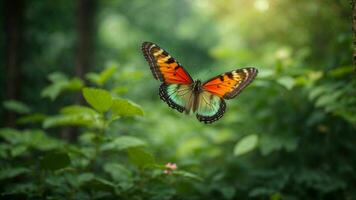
181,92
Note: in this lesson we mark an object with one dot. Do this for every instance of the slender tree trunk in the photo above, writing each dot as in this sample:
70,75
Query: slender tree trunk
85,15
85,30
13,34
353,3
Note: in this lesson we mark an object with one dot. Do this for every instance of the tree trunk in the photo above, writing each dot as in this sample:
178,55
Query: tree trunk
85,31
13,39
85,14
353,3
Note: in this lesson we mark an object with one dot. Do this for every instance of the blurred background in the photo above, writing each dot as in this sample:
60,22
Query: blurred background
290,135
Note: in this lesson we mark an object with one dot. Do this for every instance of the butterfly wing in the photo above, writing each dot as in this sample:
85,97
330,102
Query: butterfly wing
163,66
177,96
211,104
210,107
228,85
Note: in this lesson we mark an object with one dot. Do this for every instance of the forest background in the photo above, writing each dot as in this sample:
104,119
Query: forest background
81,116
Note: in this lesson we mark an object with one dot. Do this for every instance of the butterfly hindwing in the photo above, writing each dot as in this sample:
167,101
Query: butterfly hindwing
210,107
163,66
177,96
228,85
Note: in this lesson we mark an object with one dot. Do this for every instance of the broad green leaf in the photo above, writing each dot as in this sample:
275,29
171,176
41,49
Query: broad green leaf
269,144
228,191
140,157
71,120
54,161
119,174
92,77
329,98
76,109
99,99
286,81
246,144
60,83
31,118
16,106
74,84
342,71
57,76
91,138
98,184
123,142
101,78
123,107
36,139
10,135
18,150
187,175
106,74
53,91
120,90
9,173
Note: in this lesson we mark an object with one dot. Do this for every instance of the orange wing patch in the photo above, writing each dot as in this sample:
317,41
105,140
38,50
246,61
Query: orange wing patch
230,84
163,66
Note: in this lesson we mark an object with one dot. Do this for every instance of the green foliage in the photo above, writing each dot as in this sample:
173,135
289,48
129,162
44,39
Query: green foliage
16,106
140,157
54,161
99,99
60,83
123,107
101,78
246,144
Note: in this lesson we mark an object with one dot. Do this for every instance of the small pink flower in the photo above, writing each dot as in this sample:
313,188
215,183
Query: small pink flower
170,167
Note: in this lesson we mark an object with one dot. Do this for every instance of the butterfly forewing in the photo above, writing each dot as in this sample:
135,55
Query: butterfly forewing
163,66
228,85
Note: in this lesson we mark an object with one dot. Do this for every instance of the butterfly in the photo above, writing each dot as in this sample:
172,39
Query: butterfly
182,93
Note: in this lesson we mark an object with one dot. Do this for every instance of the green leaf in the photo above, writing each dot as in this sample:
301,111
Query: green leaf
101,78
286,81
76,109
53,91
246,144
189,175
119,174
140,157
342,71
99,99
98,184
123,107
16,106
71,120
18,150
12,172
54,161
60,83
106,74
36,139
74,84
57,76
31,118
123,142
119,90
269,144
